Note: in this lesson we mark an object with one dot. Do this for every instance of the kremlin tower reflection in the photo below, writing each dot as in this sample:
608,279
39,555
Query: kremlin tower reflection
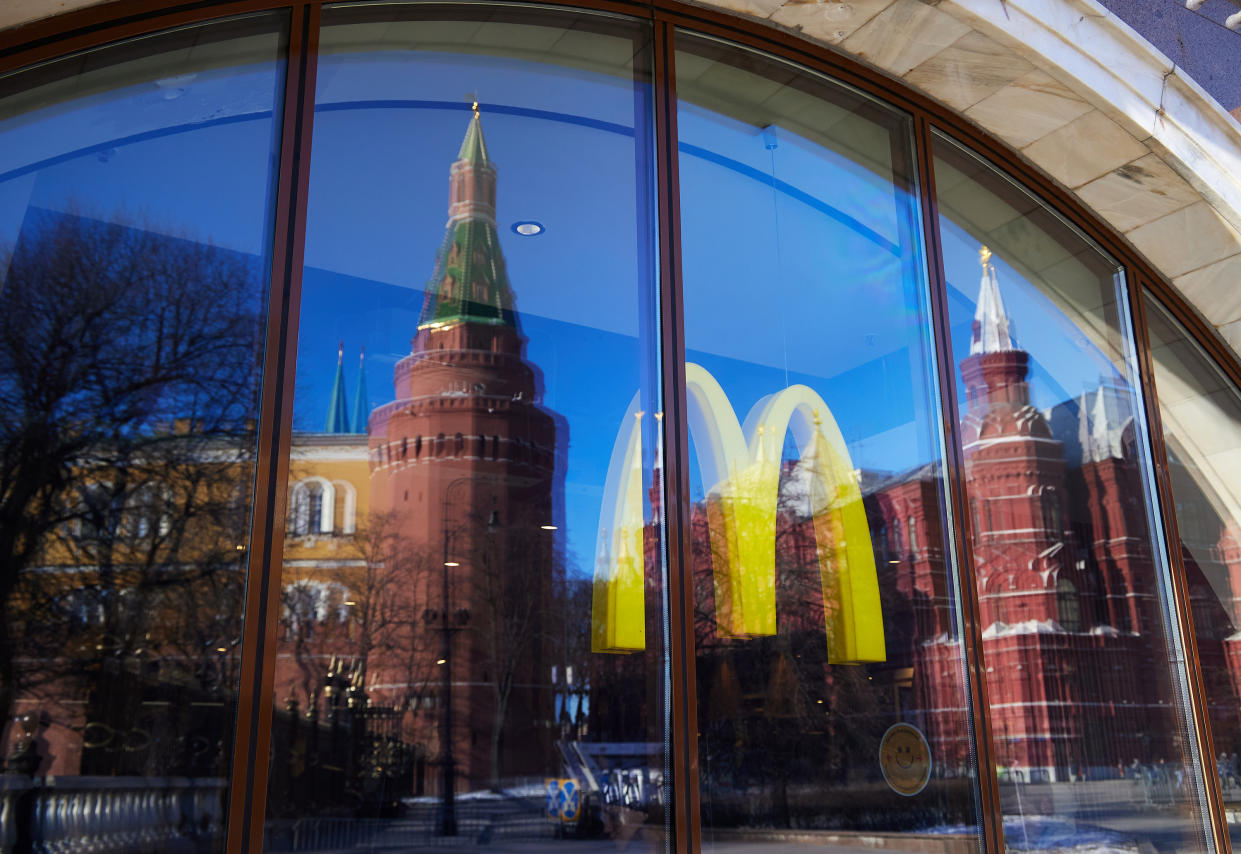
439,534
463,465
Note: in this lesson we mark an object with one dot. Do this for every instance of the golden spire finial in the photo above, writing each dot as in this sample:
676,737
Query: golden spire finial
984,256
475,108
818,422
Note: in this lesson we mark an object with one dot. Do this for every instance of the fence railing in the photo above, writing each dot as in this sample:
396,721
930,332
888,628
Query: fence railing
479,822
101,815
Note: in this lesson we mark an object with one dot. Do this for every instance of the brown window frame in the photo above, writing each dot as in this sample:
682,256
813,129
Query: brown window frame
103,23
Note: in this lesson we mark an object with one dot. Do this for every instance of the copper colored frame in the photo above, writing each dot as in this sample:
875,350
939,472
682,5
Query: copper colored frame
123,19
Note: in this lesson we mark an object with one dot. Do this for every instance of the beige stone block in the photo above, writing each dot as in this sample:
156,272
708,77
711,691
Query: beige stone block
1231,332
1215,289
1187,239
757,8
1085,148
829,22
969,70
1030,107
905,35
1137,193
1205,423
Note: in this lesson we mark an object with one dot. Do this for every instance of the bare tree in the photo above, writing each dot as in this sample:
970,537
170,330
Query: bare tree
129,374
513,594
367,612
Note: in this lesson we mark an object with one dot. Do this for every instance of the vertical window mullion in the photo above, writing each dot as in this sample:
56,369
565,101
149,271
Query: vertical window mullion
248,786
959,522
1179,592
683,706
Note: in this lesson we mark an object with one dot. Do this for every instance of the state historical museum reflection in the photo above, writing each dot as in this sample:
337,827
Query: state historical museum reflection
1070,613
1064,568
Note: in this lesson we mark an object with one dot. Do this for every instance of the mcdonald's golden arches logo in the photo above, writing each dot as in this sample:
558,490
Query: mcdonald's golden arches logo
742,464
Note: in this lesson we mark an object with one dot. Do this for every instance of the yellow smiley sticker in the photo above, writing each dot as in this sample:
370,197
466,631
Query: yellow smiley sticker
905,759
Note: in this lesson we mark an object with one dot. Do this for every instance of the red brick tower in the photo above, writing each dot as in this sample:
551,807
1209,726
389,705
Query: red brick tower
1029,597
463,468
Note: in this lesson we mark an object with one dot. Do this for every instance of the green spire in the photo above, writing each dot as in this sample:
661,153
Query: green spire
470,283
473,149
337,414
361,406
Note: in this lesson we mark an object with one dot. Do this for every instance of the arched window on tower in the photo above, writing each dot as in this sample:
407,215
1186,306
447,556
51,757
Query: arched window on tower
894,543
1068,606
417,447
458,445
912,525
439,445
1052,517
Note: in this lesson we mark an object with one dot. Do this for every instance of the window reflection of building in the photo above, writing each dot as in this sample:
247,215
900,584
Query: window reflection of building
448,487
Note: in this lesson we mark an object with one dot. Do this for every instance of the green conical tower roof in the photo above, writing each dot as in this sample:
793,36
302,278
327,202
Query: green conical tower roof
470,283
361,406
473,148
337,414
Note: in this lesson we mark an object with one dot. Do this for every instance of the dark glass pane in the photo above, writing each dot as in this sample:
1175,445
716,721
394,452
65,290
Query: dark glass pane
1084,677
1201,415
470,646
134,256
831,688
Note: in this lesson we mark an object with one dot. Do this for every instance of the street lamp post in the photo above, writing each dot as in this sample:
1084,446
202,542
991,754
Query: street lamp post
448,819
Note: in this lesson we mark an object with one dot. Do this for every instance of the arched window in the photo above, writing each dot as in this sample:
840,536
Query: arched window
458,445
345,507
912,524
439,445
1052,517
313,507
1068,607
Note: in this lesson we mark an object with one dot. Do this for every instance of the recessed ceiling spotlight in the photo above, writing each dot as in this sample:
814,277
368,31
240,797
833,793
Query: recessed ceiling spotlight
528,228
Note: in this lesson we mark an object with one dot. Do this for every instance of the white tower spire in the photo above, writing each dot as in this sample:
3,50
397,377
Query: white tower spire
992,328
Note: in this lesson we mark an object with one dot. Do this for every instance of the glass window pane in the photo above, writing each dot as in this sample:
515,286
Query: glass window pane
1084,678
470,640
831,687
135,187
1201,415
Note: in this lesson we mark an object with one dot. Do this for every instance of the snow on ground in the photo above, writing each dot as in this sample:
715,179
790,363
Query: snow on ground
1051,835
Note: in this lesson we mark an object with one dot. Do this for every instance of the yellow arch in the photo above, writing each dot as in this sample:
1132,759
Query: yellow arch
618,612
742,466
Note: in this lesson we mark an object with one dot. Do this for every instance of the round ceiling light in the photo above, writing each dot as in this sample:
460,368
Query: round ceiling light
528,228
